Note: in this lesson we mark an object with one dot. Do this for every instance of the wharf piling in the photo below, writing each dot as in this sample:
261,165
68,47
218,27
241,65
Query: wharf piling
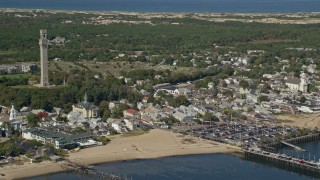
309,168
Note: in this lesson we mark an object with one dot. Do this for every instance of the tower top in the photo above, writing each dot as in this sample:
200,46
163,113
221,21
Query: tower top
43,34
43,31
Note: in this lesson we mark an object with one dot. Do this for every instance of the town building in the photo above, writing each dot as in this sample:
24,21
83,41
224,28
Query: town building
57,139
297,84
87,109
10,123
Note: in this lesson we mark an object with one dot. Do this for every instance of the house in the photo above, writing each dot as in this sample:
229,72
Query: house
305,109
118,126
210,85
87,109
74,116
58,40
145,99
132,124
182,91
113,105
168,90
182,116
130,113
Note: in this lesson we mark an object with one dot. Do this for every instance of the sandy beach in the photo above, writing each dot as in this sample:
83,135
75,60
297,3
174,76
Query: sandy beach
155,144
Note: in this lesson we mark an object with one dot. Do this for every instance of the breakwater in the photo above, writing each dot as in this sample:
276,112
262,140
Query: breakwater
70,166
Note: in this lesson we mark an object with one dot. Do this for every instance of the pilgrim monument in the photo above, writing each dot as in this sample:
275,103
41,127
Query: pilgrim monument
43,42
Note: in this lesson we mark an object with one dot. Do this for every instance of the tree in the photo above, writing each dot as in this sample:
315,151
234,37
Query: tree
7,125
303,99
170,121
104,110
117,112
79,130
42,115
9,148
244,84
178,101
104,105
106,114
313,88
210,117
263,98
33,120
103,139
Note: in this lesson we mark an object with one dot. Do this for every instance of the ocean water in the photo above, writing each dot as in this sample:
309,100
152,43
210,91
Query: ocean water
209,166
214,6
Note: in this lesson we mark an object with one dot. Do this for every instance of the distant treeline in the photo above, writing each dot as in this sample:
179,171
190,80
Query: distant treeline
19,37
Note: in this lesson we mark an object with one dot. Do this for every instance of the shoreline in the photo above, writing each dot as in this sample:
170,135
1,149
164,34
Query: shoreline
154,12
155,144
105,17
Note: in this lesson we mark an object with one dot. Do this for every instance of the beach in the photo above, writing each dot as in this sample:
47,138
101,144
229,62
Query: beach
155,144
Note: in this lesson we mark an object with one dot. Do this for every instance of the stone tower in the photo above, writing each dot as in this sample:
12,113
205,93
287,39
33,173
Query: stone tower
43,42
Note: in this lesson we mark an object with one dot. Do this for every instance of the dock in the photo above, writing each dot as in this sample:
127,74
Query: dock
298,165
294,146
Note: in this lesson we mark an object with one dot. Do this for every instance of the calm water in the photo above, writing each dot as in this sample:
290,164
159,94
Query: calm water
219,6
215,166
312,153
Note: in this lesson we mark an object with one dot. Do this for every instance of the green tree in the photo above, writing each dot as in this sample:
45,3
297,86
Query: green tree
9,148
303,99
244,84
32,120
210,117
263,98
178,101
117,112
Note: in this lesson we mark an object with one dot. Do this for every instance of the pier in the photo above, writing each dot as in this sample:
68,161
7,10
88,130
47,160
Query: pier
272,147
294,146
307,167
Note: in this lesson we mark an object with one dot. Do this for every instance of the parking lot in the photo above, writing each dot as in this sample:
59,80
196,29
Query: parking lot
239,134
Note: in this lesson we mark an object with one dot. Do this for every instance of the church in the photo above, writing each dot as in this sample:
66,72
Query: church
87,109
7,125
297,84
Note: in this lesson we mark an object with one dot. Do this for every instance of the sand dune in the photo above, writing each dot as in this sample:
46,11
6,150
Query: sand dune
301,120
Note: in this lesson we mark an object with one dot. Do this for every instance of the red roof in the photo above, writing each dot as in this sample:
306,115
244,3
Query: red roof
131,111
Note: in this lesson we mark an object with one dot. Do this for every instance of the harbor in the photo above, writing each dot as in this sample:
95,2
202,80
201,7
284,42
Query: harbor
298,165
264,143
293,158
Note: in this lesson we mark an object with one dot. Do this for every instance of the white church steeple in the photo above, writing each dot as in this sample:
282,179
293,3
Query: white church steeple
13,114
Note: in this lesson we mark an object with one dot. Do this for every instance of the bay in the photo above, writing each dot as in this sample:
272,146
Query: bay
208,166
191,6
